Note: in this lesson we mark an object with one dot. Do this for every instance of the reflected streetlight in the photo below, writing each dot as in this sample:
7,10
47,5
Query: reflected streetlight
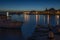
48,19
26,17
37,18
57,19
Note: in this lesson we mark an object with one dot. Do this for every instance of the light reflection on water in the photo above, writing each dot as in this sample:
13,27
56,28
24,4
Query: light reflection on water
48,19
30,22
26,18
57,19
37,18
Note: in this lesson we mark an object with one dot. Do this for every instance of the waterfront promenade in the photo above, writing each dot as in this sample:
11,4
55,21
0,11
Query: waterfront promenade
50,11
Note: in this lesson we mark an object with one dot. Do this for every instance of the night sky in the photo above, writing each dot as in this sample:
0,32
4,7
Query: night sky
29,4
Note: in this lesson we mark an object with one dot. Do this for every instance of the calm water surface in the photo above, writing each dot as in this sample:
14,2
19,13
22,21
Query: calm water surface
29,25
30,22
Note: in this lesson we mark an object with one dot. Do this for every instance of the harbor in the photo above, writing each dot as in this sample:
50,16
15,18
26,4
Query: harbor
41,25
29,19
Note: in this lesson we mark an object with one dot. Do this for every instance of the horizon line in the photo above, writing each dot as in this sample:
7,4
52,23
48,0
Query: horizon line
26,10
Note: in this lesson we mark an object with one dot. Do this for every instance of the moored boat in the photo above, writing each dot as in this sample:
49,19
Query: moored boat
9,24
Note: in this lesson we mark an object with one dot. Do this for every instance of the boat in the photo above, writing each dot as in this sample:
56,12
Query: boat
9,24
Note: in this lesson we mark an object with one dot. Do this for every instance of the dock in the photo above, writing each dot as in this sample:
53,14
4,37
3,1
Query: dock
44,33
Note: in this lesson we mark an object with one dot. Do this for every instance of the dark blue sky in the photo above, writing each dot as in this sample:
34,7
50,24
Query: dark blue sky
29,4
